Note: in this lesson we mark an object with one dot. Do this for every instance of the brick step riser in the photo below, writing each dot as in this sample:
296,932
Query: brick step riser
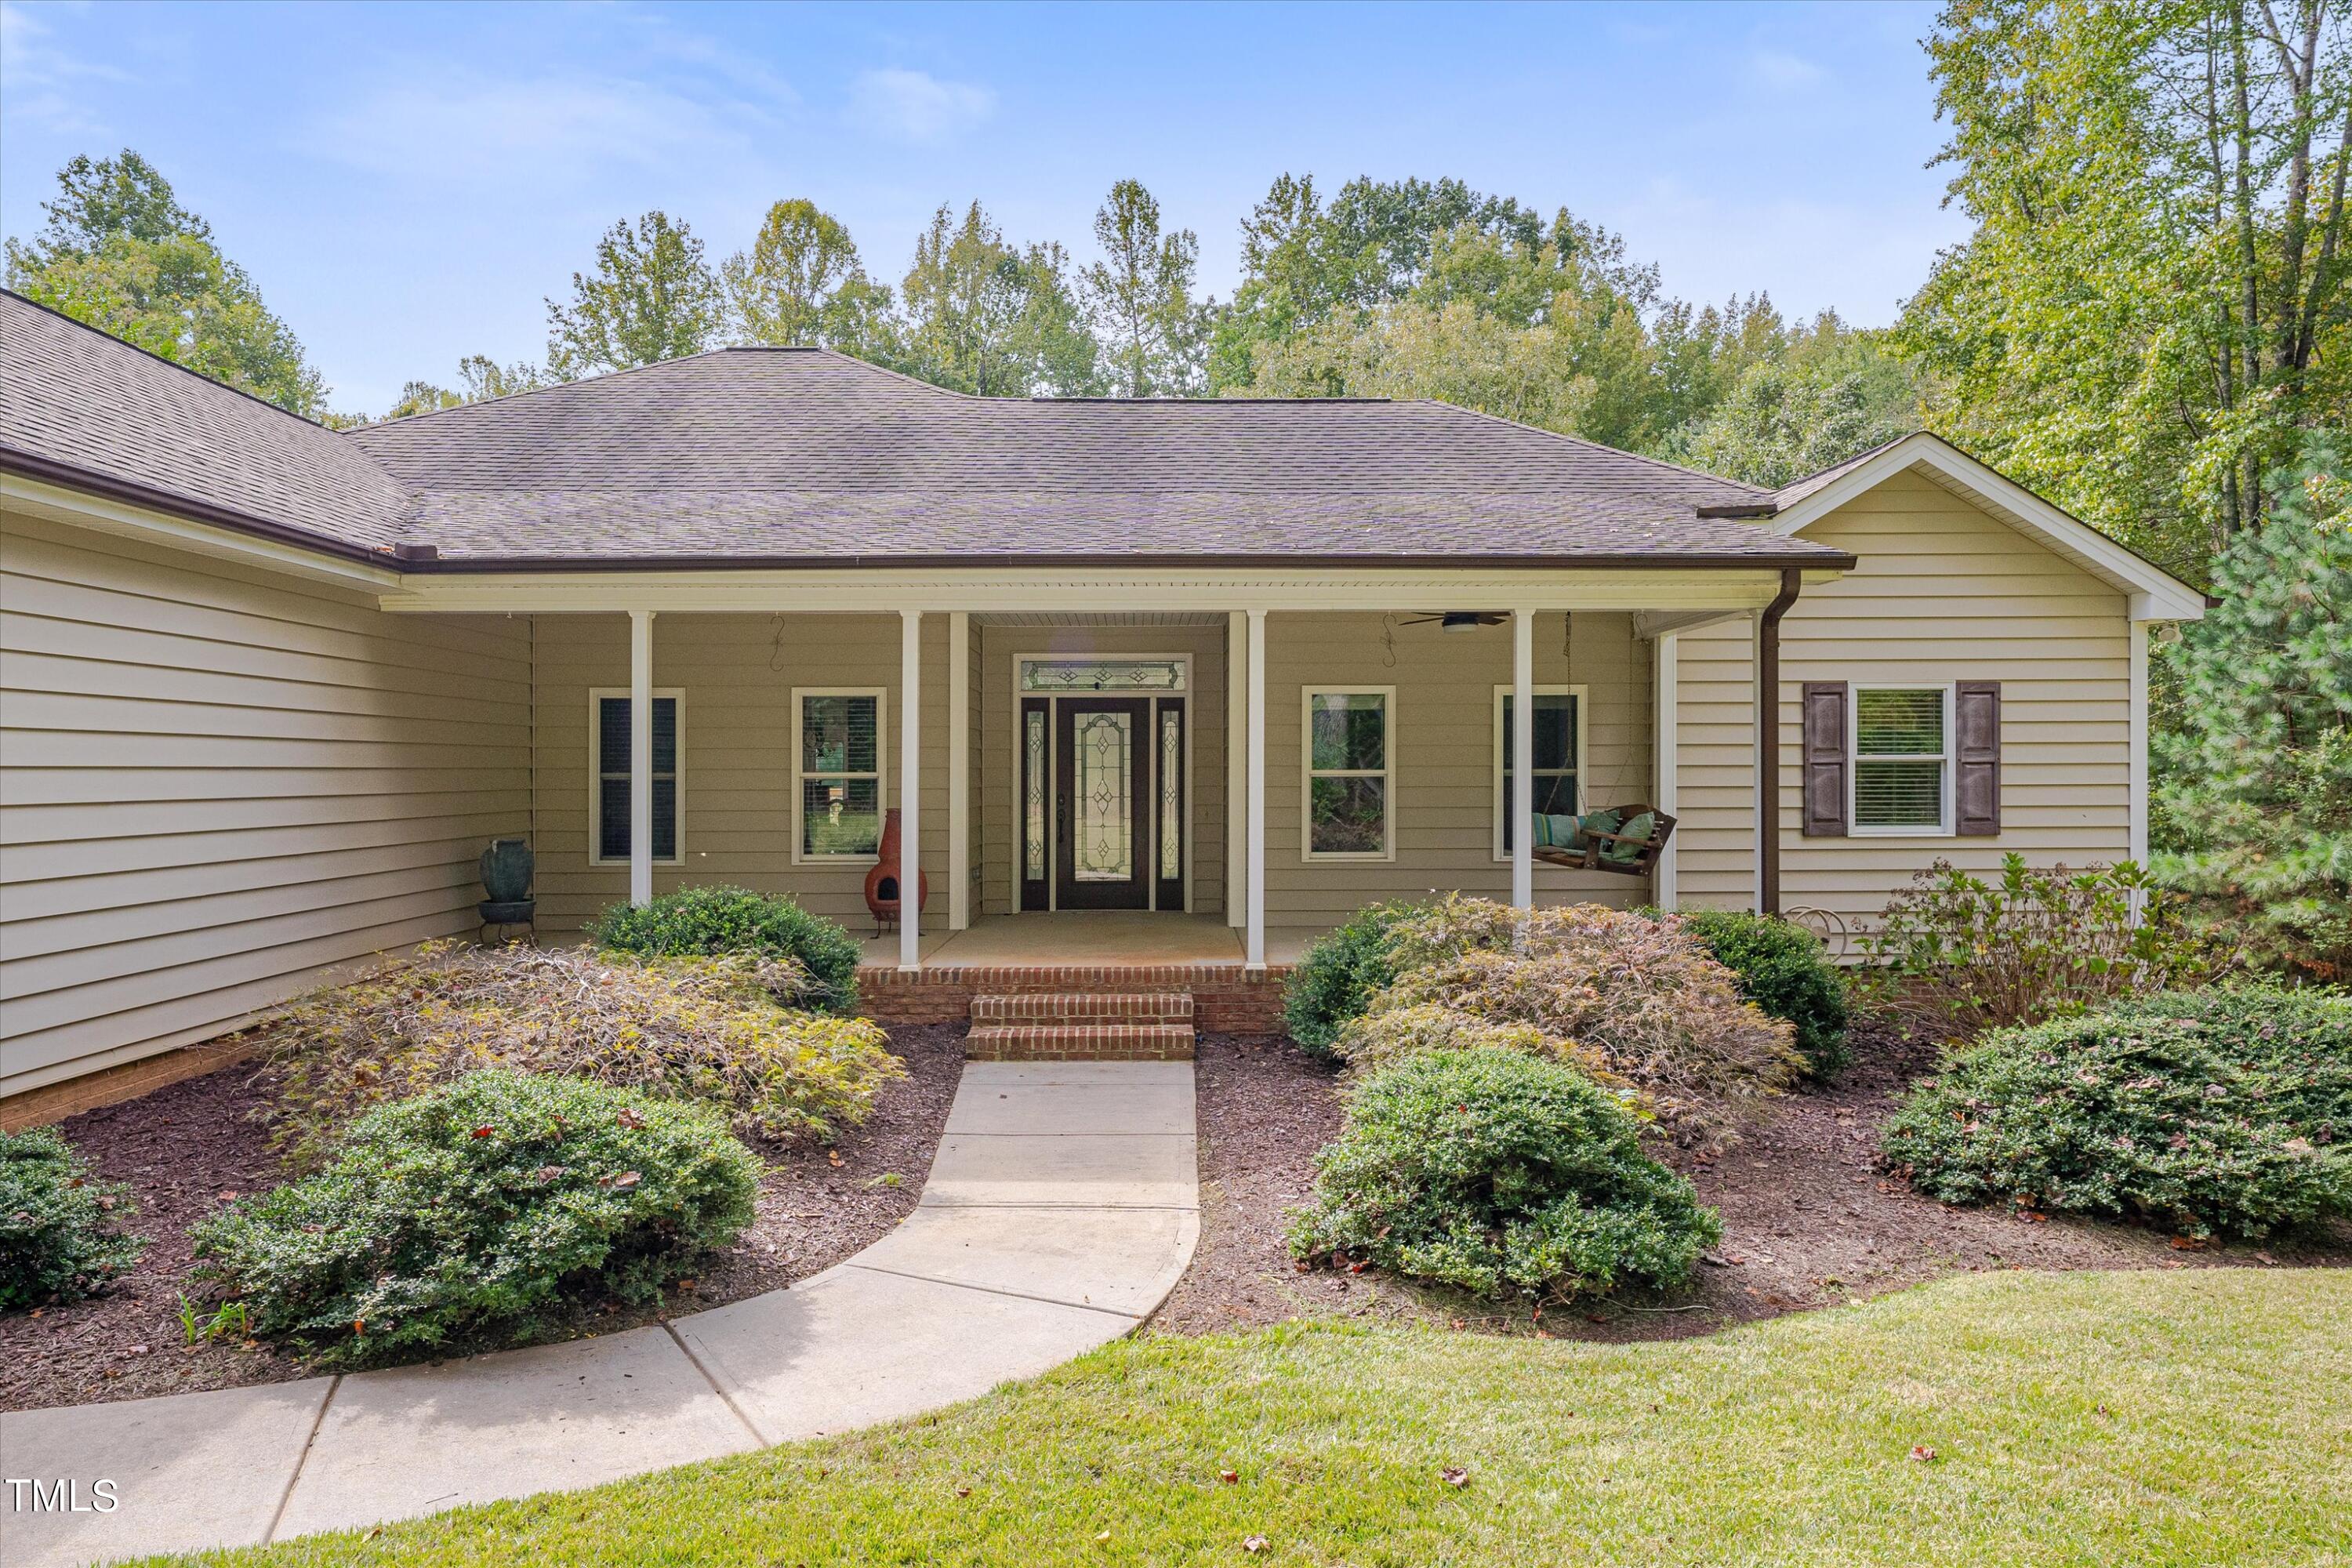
1167,1009
1065,1042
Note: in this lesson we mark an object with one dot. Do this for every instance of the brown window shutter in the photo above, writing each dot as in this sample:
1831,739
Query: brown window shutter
1976,770
1826,763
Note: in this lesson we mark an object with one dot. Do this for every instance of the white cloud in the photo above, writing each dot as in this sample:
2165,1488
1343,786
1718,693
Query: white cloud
916,106
38,76
450,124
1778,68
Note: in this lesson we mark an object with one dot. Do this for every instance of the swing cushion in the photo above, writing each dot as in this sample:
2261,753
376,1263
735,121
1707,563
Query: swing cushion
1598,822
1637,835
1549,831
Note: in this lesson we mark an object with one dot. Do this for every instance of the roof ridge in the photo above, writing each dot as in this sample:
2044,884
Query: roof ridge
176,364
555,386
1595,446
1862,455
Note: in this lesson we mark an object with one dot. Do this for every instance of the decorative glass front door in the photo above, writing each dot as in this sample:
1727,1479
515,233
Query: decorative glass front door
1102,804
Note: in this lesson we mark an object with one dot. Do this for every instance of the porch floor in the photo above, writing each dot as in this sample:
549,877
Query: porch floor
1072,937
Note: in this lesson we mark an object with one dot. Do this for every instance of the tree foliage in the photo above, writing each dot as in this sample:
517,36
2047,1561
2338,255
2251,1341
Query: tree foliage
652,297
121,254
2152,307
802,284
981,315
2255,762
1139,298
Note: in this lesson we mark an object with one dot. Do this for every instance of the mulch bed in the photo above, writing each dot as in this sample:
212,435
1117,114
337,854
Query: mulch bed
1809,1219
186,1149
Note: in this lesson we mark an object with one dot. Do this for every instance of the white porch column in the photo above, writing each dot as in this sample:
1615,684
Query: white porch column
910,789
1666,683
1236,769
1254,942
959,770
1523,757
641,757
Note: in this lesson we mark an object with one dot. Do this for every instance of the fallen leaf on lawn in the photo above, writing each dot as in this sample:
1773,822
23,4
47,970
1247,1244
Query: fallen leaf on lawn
2189,1244
2266,1258
1104,1536
1253,1543
963,1491
1229,1476
1924,1453
1455,1476
832,1157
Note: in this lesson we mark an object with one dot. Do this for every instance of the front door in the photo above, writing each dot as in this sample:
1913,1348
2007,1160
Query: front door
1102,798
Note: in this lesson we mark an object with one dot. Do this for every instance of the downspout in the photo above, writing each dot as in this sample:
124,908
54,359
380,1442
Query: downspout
1768,738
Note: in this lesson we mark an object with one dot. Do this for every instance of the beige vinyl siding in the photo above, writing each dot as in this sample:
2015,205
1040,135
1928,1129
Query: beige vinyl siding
736,674
995,720
218,785
1443,731
1945,591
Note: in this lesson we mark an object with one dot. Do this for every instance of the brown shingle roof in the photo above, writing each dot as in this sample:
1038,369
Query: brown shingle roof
808,456
79,399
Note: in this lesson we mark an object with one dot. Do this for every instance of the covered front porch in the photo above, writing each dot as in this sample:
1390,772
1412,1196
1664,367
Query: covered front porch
1129,768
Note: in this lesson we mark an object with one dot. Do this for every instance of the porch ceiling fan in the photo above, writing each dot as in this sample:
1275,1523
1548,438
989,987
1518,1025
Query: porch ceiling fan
1458,620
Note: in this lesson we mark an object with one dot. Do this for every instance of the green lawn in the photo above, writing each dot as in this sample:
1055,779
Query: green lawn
2195,1416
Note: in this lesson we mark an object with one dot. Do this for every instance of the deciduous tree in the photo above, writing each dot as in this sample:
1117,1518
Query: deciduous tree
981,315
802,283
652,297
121,254
1138,297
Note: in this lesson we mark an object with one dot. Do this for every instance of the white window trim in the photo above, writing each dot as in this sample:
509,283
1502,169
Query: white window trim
1502,762
598,696
881,696
1308,774
1854,759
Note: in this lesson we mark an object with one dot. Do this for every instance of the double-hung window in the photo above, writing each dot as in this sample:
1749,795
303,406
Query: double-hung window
1347,783
1560,757
839,766
1902,761
608,745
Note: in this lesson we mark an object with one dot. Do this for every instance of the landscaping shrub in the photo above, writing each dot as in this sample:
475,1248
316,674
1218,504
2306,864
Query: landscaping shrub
1782,968
2303,1037
58,1240
1336,979
697,1029
1960,953
698,922
1636,999
483,1213
1388,1035
2171,1120
1501,1175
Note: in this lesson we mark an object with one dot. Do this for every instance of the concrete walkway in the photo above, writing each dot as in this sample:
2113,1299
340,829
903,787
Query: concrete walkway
1060,1210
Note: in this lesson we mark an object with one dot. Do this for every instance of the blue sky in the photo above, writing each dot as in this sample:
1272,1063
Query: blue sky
407,182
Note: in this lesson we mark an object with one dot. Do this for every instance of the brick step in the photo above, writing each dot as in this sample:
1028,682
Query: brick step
1030,1008
1103,1042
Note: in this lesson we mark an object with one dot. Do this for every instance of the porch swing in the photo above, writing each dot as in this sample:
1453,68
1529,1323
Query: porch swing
1624,839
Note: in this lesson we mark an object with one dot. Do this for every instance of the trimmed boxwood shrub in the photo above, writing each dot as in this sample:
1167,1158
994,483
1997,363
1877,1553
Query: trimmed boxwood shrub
703,921
1501,1175
58,1240
1336,980
1782,968
2168,1120
483,1214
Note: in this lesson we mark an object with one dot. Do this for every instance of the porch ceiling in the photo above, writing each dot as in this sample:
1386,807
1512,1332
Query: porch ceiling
1110,618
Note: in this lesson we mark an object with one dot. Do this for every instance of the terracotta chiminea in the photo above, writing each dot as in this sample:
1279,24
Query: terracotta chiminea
882,882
